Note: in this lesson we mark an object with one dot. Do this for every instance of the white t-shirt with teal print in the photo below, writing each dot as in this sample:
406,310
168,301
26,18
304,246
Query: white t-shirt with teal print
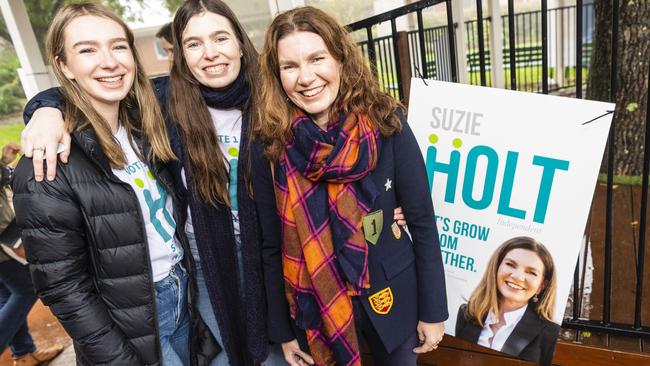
157,208
227,123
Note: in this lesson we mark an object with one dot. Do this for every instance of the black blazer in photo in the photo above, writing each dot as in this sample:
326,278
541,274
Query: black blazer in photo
533,338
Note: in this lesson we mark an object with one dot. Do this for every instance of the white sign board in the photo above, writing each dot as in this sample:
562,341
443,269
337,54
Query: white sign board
504,164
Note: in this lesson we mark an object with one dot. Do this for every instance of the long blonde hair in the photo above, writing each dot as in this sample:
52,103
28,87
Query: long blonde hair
358,91
486,295
80,113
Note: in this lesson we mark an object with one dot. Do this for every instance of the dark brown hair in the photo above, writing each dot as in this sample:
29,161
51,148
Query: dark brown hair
165,32
358,90
189,110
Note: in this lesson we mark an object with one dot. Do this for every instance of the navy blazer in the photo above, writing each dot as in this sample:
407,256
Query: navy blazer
533,338
413,270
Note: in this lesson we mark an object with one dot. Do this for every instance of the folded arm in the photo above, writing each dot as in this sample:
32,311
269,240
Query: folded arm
44,132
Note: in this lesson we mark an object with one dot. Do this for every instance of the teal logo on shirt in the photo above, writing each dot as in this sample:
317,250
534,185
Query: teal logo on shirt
232,189
156,205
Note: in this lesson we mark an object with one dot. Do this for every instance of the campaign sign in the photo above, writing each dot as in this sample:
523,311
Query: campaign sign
512,176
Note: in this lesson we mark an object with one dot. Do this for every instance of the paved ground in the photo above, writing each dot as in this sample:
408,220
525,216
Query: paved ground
66,358
46,331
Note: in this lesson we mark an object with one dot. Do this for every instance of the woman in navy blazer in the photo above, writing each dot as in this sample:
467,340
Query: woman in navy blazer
511,309
317,92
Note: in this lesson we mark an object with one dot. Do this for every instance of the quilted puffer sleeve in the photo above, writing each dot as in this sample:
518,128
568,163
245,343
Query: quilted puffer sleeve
52,226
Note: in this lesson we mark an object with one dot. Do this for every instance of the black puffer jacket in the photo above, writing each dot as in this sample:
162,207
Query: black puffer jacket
87,247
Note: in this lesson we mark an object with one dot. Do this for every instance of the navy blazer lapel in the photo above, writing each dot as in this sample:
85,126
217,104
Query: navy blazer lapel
525,331
473,331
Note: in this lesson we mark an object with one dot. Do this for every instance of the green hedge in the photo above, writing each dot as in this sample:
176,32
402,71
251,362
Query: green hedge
12,97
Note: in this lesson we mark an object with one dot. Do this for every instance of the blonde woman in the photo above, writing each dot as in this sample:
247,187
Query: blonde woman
104,249
512,308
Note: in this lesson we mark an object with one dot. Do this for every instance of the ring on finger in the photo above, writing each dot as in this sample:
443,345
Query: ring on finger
39,148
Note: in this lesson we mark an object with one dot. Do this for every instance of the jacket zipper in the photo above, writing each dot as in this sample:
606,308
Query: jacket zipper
152,293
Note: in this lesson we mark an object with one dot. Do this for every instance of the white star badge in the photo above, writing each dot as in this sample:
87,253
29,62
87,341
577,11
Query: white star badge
388,184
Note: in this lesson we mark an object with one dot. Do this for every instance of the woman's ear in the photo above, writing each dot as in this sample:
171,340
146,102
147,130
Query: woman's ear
64,68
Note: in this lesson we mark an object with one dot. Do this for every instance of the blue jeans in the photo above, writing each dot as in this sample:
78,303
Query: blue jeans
173,317
16,300
207,313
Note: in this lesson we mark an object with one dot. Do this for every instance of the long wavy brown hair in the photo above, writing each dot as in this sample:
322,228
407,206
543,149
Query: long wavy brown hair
189,110
486,295
358,90
79,112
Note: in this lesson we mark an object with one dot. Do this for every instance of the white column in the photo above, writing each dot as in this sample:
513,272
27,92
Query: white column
461,41
34,75
558,39
496,45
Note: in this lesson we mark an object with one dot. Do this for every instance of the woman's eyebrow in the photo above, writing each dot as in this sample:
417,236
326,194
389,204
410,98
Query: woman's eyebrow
211,35
93,42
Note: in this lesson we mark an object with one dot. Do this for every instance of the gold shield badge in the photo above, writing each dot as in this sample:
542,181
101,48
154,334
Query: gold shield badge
372,225
382,301
397,232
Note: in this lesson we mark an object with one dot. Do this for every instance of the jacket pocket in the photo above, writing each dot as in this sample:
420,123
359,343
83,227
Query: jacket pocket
397,263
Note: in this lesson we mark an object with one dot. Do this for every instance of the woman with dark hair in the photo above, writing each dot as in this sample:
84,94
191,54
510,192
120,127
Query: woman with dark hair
102,239
511,310
208,96
341,155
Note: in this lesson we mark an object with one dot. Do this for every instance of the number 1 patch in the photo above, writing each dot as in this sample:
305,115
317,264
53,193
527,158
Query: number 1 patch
372,225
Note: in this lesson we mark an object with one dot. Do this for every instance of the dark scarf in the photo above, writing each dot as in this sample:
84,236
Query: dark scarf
242,325
323,192
234,96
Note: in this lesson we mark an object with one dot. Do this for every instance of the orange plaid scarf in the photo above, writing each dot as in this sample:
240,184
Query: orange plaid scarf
322,194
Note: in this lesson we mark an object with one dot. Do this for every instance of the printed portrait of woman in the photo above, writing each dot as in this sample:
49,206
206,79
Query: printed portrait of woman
511,309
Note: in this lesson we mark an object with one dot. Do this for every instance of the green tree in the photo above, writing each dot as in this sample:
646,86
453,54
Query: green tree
631,74
41,13
12,96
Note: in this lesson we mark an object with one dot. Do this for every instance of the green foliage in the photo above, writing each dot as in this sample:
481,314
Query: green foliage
625,180
41,13
631,107
172,5
12,97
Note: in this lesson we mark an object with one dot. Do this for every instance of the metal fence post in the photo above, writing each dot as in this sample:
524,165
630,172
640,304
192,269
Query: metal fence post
461,41
481,42
609,223
496,44
638,305
579,24
404,71
452,42
512,44
545,48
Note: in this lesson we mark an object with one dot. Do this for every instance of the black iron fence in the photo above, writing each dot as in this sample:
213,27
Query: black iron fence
532,62
528,50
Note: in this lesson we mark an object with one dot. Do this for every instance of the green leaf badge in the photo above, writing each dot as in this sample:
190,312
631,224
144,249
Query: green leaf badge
372,225
632,107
